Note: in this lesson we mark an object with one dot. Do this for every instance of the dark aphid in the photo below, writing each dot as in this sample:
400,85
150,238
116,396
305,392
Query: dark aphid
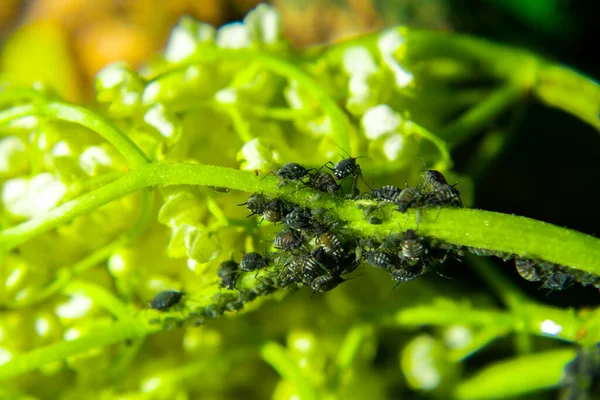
234,305
556,281
273,210
256,203
380,259
388,193
445,195
218,189
373,220
409,197
323,182
166,299
292,172
325,283
325,259
228,273
252,261
411,248
481,252
528,270
402,275
435,178
331,243
287,278
299,218
214,310
345,168
266,286
287,239
307,268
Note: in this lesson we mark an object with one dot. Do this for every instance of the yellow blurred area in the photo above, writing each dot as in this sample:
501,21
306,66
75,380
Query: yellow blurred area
39,53
64,43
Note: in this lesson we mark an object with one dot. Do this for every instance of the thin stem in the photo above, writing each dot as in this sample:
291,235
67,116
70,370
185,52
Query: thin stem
276,356
487,271
411,127
66,274
533,319
480,115
466,227
340,124
516,376
127,329
84,117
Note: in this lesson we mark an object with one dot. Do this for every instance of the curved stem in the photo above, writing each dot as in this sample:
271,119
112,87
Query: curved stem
465,227
84,117
339,120
100,336
276,356
66,275
481,114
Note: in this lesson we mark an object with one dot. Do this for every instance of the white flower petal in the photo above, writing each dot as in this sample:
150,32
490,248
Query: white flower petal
358,60
233,36
30,197
380,120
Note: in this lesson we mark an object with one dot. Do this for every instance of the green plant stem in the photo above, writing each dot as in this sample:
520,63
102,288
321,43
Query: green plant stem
531,320
66,275
276,356
102,297
487,271
516,376
131,328
84,117
446,160
555,85
466,227
480,115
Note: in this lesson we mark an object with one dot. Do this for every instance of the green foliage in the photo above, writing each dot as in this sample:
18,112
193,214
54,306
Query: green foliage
103,209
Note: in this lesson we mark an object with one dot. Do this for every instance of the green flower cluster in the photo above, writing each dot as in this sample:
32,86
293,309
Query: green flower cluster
101,210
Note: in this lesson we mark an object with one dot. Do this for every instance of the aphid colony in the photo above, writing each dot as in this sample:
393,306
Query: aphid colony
551,275
314,250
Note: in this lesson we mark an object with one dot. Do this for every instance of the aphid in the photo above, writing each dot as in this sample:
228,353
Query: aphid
273,210
325,283
331,243
387,193
445,195
287,239
402,275
299,218
411,248
292,172
256,203
307,268
528,270
556,281
266,286
252,261
435,178
323,182
380,259
166,299
481,252
219,189
344,168
373,220
228,273
409,197
235,305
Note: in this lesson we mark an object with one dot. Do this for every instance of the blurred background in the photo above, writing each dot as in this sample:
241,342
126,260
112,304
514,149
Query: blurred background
548,171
